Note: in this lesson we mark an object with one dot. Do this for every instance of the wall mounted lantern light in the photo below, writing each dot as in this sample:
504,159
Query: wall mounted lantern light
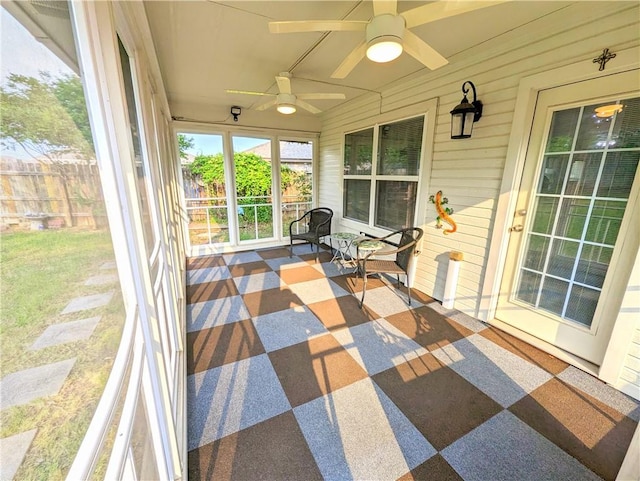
465,114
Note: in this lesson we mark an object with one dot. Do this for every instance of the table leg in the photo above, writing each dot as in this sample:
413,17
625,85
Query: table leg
338,250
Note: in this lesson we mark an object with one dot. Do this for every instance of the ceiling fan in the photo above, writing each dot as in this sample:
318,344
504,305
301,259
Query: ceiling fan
286,101
387,33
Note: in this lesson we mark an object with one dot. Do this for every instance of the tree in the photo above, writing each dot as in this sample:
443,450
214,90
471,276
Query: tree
185,143
69,92
42,123
48,118
253,180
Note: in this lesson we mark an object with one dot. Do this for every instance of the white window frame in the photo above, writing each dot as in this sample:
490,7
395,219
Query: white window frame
227,132
428,109
96,27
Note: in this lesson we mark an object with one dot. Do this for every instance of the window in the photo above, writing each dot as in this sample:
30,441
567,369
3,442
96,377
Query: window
383,193
57,248
246,210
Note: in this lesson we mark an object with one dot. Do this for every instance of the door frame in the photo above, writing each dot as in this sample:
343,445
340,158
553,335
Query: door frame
524,111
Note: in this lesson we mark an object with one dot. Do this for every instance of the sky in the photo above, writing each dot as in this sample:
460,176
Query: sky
21,53
211,144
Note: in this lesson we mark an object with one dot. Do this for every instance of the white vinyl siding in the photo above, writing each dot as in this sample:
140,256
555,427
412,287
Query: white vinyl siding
629,380
470,172
621,366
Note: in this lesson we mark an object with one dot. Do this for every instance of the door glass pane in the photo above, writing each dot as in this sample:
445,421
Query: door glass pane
528,287
593,264
582,304
594,131
605,221
572,218
356,199
562,131
563,255
536,252
583,174
617,176
358,152
584,195
252,161
399,147
553,294
395,204
544,215
626,134
203,182
553,173
296,180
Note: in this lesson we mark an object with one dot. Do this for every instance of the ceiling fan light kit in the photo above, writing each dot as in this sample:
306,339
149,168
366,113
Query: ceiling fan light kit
465,114
388,34
285,101
384,38
286,104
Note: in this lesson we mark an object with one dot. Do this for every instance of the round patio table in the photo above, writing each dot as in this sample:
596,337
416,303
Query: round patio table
366,247
344,241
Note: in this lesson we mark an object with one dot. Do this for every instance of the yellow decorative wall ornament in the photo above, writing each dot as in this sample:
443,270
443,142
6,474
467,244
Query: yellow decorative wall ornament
443,213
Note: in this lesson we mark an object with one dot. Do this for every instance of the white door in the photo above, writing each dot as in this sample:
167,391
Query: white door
572,236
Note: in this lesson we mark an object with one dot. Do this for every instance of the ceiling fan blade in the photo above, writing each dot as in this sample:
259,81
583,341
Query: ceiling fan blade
422,52
349,63
306,106
321,96
317,26
265,106
385,6
247,92
284,84
443,9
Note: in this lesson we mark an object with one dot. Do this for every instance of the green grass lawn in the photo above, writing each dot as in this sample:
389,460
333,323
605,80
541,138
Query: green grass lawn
40,272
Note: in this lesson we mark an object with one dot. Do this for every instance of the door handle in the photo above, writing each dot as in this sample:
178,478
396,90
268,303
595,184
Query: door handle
516,228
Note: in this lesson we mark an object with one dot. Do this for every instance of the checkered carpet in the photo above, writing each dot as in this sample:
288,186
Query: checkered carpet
290,380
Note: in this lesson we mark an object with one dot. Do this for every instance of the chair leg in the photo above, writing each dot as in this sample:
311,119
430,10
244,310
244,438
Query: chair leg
409,291
290,248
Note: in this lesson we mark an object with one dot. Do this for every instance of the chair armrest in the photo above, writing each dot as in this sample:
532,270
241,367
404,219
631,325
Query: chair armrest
295,221
393,251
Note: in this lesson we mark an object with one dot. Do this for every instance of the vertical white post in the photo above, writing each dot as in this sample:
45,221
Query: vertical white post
453,271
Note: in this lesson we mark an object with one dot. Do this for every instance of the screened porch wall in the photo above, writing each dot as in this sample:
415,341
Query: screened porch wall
470,172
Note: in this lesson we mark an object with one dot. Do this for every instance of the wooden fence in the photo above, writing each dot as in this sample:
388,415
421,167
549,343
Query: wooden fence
62,194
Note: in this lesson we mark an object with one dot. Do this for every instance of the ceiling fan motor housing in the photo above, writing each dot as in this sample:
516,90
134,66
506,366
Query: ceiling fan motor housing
286,103
385,29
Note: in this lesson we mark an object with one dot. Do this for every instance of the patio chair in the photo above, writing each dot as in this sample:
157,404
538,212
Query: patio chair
311,227
404,251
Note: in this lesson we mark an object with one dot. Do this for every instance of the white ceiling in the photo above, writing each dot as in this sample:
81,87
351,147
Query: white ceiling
206,47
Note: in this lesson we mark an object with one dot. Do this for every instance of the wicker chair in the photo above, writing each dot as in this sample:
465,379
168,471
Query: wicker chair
316,224
405,249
